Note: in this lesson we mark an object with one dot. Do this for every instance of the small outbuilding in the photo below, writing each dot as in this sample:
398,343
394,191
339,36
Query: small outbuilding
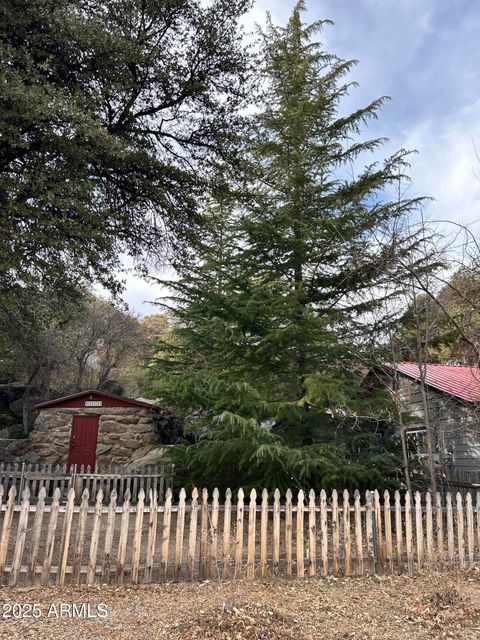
453,402
94,427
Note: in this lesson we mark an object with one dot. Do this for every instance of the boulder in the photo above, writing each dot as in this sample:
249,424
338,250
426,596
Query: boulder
12,391
139,453
113,387
41,424
32,458
19,448
14,450
16,407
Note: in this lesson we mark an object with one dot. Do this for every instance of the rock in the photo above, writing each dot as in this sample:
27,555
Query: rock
40,423
146,438
13,390
122,451
128,443
16,407
113,387
109,426
125,420
103,448
11,422
156,456
139,453
140,428
32,458
109,438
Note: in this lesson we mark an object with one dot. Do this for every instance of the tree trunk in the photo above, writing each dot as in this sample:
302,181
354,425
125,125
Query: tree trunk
428,426
403,435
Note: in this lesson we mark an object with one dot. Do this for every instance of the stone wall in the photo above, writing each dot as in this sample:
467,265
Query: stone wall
124,434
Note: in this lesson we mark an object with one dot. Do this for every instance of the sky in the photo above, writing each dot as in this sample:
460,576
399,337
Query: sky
424,54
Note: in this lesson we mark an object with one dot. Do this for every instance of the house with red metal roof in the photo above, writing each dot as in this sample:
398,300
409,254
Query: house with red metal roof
462,382
453,400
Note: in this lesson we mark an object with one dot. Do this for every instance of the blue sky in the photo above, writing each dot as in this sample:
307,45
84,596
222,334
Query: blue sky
424,54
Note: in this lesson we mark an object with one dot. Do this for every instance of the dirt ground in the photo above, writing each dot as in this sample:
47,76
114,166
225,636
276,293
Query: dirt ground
396,608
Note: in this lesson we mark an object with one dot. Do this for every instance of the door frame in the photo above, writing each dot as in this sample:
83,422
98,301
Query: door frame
70,442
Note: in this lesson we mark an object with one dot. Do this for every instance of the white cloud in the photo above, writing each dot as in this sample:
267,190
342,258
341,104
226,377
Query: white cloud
140,295
447,168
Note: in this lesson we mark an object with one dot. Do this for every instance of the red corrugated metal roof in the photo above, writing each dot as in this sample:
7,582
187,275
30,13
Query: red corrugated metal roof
459,381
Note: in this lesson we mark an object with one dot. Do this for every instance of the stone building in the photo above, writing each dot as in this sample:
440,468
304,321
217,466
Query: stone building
94,427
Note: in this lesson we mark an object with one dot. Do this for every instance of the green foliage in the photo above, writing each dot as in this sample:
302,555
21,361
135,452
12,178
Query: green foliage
116,117
238,451
273,314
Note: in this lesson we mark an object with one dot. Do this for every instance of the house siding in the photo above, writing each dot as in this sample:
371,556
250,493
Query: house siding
456,424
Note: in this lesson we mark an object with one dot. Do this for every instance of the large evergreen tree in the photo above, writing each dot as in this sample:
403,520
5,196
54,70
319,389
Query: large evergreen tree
272,317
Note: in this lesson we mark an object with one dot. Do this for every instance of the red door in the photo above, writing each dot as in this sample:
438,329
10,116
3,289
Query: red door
83,442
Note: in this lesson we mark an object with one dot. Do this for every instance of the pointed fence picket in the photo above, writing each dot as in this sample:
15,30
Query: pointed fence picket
276,533
192,536
358,533
203,538
54,541
122,542
324,531
179,535
167,522
264,534
227,523
335,533
252,521
137,538
288,532
239,533
346,535
299,535
312,534
109,537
